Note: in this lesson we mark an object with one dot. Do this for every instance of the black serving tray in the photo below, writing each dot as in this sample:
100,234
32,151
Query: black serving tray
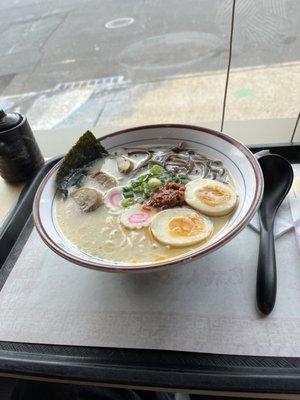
131,368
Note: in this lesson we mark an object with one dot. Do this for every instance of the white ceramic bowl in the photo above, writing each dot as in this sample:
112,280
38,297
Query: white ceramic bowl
235,156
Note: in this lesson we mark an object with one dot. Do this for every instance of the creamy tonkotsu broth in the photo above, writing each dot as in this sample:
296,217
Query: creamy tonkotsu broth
160,217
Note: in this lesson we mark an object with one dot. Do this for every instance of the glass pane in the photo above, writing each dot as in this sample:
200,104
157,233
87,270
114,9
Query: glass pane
114,63
296,130
265,76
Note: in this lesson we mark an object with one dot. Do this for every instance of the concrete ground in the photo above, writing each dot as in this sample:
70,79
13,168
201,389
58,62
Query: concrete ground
126,62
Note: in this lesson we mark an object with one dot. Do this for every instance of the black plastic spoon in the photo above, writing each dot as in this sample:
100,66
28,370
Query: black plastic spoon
278,178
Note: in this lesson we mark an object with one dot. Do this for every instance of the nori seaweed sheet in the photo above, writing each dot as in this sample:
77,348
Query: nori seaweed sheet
85,150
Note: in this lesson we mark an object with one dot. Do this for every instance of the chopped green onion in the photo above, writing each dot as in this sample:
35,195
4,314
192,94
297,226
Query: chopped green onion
127,202
156,170
147,192
168,178
143,186
138,189
135,184
154,183
128,195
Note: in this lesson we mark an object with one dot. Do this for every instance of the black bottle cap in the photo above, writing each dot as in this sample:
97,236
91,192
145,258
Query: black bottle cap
8,121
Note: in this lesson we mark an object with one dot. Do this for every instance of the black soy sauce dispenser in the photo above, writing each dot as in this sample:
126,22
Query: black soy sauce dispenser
20,155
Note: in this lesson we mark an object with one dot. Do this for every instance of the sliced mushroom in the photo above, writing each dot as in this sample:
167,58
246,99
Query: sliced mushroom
182,146
105,180
87,199
143,163
125,165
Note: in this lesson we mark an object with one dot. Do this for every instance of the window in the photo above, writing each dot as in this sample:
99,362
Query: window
113,64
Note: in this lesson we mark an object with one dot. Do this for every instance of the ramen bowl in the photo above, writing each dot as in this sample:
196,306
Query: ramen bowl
236,158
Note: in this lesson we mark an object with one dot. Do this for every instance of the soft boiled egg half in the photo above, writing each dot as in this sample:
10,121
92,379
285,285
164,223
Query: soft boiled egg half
210,197
180,227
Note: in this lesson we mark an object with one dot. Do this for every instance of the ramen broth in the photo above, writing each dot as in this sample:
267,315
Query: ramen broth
100,234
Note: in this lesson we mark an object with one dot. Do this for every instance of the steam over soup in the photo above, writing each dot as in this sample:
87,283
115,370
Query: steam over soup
141,205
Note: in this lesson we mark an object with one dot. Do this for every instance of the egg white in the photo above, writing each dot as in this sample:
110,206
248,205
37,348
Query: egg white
192,198
160,228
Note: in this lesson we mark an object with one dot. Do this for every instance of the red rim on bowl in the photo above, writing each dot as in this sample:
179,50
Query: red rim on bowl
101,265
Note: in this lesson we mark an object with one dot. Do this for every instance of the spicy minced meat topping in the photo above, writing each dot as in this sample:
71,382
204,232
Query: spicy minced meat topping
169,196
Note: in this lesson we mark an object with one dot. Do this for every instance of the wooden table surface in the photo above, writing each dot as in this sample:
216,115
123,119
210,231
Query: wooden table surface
9,194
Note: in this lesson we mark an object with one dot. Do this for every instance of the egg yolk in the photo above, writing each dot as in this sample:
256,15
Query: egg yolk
213,196
187,225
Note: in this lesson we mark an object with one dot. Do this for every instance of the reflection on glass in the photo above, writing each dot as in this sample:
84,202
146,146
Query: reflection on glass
115,63
120,63
265,75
